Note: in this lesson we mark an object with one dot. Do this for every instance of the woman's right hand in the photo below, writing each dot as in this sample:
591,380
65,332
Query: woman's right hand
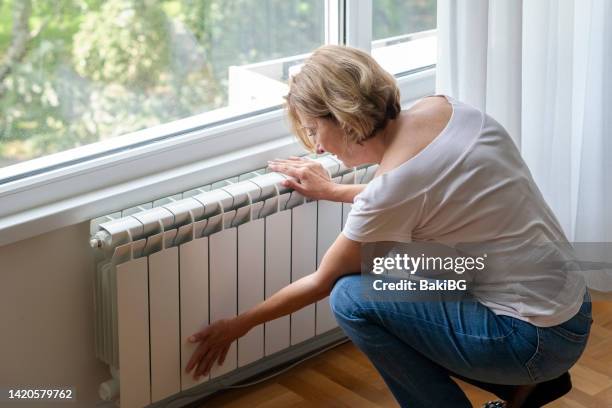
310,177
215,341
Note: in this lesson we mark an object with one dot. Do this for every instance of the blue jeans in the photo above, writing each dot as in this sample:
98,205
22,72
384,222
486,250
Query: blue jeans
416,345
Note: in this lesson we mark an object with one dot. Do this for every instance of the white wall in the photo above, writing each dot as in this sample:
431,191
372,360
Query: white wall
46,314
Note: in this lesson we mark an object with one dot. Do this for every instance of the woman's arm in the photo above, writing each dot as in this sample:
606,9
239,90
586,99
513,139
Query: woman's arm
313,181
343,257
345,193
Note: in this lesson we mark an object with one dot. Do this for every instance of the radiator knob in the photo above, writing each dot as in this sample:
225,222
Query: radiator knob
101,239
109,390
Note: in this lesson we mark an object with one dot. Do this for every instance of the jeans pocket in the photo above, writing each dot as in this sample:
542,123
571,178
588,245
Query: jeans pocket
559,348
576,329
569,334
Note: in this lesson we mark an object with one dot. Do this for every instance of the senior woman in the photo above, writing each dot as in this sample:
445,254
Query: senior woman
447,172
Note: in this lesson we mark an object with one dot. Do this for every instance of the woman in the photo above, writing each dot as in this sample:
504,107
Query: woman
447,173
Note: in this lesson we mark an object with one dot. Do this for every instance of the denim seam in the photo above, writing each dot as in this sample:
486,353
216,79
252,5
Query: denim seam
528,364
568,335
446,327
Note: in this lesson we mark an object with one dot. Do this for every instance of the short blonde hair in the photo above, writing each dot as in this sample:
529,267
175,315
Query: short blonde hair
345,85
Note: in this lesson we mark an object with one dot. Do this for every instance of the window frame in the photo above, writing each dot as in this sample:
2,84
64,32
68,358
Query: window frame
173,157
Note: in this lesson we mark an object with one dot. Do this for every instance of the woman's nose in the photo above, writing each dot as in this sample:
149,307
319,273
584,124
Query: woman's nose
320,149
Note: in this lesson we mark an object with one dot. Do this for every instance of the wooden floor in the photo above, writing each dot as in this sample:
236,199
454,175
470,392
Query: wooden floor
344,377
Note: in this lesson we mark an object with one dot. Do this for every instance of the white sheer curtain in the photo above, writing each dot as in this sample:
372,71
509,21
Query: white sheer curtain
543,69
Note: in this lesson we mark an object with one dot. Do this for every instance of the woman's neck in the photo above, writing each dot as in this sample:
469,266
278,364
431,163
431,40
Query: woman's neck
379,146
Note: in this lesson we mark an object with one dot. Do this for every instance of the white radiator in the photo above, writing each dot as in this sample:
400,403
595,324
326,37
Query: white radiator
165,272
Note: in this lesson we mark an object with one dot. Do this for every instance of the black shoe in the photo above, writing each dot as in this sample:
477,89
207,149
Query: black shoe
505,392
542,394
548,391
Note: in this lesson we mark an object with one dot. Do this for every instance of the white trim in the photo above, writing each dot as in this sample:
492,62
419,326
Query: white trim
334,23
359,24
415,85
132,192
384,42
140,161
148,135
407,56
88,190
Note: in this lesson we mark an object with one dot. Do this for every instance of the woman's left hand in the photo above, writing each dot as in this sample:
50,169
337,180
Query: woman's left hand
215,341
311,178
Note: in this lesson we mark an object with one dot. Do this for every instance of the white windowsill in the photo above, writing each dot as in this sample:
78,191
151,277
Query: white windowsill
87,190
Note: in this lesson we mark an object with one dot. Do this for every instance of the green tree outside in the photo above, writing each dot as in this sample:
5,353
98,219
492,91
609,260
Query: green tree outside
73,72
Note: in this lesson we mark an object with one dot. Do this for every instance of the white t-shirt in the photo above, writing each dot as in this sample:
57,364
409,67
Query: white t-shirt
471,185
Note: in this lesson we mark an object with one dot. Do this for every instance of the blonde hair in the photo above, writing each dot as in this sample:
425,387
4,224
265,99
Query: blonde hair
345,85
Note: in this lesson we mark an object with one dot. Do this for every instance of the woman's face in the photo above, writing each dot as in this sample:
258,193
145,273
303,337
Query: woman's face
327,136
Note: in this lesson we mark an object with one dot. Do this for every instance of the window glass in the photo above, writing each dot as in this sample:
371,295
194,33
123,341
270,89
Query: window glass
73,72
392,18
403,33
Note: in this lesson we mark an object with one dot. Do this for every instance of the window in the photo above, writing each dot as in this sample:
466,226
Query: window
403,34
133,99
76,72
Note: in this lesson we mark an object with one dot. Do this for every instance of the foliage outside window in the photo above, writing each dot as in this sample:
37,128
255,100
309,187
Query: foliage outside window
392,18
73,72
